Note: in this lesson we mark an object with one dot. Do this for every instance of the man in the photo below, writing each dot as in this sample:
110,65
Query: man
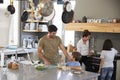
48,49
83,46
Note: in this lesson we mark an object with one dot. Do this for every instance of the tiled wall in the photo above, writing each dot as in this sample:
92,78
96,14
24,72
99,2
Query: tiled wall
99,39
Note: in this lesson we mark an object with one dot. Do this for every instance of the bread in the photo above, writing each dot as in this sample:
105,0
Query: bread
13,65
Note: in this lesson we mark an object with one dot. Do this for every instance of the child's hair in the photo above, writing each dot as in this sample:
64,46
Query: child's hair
76,55
107,44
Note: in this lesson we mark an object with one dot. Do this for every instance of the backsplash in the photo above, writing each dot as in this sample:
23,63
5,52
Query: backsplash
99,38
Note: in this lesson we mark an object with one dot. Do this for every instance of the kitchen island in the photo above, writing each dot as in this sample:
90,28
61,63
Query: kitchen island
51,73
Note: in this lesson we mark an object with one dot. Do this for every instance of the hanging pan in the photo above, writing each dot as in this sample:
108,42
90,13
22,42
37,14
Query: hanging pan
68,13
11,8
46,7
24,16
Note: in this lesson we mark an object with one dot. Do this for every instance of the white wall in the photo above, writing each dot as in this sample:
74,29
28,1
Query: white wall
4,27
97,9
9,25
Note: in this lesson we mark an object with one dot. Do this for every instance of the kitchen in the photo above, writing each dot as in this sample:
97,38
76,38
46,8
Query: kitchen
100,13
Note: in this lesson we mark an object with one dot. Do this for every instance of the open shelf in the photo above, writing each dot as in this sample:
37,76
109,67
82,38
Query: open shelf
94,27
32,30
32,20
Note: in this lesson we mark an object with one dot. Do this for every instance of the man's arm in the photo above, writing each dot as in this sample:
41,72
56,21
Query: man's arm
40,54
65,52
75,68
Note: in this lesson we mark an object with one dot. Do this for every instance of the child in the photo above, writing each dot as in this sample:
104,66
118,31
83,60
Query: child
75,63
107,57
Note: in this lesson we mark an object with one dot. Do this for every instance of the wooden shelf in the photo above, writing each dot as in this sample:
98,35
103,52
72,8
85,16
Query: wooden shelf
30,10
32,30
94,27
32,20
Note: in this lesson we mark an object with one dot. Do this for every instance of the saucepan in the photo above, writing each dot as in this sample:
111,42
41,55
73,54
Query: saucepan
24,16
68,13
46,7
45,10
11,8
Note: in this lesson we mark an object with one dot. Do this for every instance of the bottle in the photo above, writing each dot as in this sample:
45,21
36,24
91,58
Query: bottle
36,43
84,19
29,45
24,43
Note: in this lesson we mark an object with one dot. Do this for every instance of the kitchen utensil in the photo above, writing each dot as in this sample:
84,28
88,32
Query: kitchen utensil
24,16
67,6
11,8
68,13
46,7
50,17
67,17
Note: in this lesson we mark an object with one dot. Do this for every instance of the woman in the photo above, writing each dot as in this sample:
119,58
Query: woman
83,47
107,57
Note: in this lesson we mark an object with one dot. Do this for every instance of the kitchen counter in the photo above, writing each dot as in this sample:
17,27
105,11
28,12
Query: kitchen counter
18,51
52,73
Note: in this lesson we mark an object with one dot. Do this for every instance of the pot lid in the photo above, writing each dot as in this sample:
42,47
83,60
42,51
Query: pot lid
50,17
46,7
67,6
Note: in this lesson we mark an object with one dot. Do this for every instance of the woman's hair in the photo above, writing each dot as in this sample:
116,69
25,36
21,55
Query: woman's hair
86,33
76,55
52,28
107,44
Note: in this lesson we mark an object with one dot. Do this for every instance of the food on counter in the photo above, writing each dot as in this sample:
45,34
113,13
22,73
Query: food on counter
13,65
10,65
41,68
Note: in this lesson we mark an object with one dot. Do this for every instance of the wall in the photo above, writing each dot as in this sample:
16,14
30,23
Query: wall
9,24
4,27
99,9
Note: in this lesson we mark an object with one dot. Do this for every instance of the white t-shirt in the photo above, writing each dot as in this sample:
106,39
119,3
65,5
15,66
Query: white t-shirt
108,57
83,48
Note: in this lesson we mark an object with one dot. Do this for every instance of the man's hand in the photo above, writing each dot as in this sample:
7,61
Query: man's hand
70,58
47,62
91,53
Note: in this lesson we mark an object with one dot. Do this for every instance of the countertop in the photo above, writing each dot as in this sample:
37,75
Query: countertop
52,73
18,51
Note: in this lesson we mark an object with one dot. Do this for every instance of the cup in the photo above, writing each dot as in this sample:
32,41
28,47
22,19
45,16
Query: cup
32,26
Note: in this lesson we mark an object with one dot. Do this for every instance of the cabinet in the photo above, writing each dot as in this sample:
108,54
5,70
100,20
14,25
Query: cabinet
94,27
32,29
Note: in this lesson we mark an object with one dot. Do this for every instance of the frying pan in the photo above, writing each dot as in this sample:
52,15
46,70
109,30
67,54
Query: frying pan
11,8
67,17
68,13
47,18
67,6
46,7
50,17
24,16
45,10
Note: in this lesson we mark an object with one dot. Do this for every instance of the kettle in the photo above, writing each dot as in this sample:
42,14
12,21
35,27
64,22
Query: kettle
29,43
